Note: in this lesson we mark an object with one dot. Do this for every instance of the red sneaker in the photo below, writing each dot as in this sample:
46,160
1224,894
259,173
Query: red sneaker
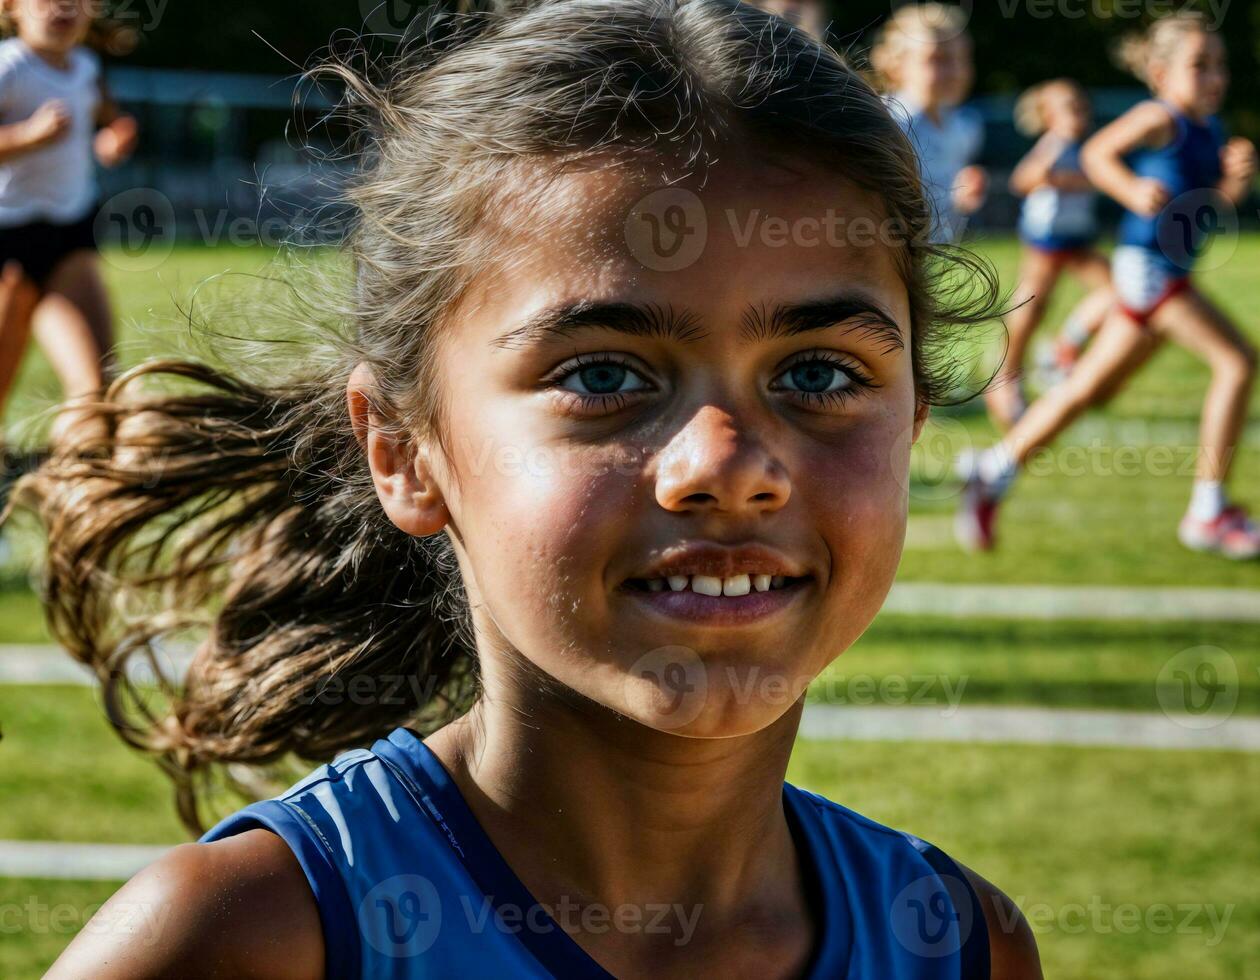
976,520
1233,534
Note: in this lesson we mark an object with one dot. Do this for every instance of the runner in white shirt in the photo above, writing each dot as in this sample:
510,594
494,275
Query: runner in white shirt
56,122
924,59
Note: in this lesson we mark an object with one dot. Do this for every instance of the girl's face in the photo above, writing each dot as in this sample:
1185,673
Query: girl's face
52,25
1066,112
937,72
1195,76
711,382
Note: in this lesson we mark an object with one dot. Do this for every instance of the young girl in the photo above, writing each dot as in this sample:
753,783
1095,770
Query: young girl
55,115
586,494
1058,228
1166,161
923,57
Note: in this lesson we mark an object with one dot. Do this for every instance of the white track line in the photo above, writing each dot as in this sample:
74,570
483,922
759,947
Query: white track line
1040,726
75,862
1073,602
1031,726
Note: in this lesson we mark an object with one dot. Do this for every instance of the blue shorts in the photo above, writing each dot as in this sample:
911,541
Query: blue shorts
1056,243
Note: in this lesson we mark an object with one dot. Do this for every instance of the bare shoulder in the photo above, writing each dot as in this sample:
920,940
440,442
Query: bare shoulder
240,907
1012,946
1152,121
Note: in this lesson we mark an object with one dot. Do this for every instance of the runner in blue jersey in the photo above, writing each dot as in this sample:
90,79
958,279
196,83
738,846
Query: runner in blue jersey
554,540
1167,161
1057,228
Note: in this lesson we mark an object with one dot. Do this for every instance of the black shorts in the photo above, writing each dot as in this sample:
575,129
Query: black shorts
40,246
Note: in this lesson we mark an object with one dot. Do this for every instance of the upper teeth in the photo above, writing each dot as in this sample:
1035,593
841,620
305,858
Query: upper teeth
713,585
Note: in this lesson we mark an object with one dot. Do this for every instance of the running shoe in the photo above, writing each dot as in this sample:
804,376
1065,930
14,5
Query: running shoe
975,523
1233,534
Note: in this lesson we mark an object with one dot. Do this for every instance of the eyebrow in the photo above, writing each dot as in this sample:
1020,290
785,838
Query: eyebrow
758,322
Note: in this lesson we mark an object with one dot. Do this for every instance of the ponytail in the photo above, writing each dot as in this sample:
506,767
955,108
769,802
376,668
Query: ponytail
249,511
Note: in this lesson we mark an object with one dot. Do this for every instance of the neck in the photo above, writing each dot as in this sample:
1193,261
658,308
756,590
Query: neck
53,56
589,807
1189,111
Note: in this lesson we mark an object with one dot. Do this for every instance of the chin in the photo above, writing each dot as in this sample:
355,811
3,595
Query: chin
679,695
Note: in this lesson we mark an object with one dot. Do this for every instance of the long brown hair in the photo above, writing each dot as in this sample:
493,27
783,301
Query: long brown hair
240,503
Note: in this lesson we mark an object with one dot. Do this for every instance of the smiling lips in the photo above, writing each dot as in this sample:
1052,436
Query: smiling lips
752,580
712,585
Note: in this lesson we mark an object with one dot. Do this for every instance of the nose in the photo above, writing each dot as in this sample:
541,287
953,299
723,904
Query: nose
711,466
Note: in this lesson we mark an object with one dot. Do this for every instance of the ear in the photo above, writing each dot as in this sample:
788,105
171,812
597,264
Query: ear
921,411
401,471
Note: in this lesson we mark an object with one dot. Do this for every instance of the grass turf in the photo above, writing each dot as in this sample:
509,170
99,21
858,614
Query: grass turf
1085,838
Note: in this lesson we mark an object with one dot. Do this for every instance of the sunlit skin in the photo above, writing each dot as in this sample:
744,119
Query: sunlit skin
1194,76
721,456
936,74
1066,112
52,28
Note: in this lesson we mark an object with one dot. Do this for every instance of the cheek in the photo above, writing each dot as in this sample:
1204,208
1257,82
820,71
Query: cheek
540,537
859,489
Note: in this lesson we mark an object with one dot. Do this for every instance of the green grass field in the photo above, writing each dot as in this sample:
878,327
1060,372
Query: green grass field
1129,863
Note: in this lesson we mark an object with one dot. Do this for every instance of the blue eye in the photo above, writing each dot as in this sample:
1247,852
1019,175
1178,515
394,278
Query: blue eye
604,378
816,377
600,377
821,378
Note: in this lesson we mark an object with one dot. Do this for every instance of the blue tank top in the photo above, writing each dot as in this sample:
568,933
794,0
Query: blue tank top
1060,219
1190,167
408,885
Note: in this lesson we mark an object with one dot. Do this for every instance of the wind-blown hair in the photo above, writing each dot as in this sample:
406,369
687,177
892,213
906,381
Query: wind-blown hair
241,504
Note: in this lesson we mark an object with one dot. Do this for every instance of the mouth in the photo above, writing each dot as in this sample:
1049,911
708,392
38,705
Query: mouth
729,586
710,601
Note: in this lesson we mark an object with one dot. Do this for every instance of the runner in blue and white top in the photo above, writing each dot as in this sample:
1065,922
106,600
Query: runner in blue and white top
56,123
924,57
1057,229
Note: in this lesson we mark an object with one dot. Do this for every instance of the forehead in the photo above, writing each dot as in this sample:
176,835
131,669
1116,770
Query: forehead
1195,44
1062,93
749,231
